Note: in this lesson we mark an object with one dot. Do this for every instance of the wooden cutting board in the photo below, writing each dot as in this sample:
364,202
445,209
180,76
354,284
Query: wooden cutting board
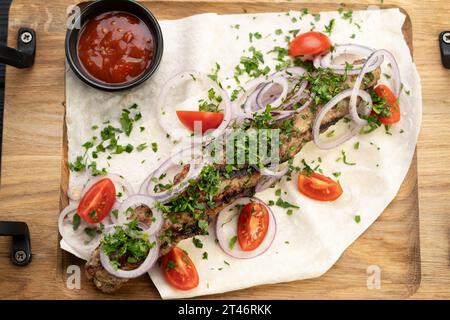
390,244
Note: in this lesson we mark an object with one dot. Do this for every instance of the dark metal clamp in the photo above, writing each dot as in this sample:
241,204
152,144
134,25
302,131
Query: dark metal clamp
23,56
21,247
444,43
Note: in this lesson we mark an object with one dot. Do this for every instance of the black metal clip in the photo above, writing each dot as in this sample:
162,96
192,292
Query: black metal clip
23,56
444,43
21,247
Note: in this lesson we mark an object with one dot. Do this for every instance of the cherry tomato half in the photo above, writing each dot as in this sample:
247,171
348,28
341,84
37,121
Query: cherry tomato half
384,92
208,120
179,270
97,202
318,187
309,44
253,224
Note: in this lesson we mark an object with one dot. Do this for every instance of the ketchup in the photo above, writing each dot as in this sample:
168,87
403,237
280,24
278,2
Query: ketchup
116,47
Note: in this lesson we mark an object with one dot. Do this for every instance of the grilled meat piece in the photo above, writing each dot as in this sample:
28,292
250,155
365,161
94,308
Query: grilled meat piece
103,280
240,183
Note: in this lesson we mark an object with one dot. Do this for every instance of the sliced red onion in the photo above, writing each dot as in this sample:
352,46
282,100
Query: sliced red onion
291,72
178,158
326,108
226,228
298,95
250,104
269,179
77,239
175,81
326,61
134,202
270,90
121,184
148,263
376,56
278,115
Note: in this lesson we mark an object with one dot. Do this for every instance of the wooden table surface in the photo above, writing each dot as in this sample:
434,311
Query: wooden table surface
33,170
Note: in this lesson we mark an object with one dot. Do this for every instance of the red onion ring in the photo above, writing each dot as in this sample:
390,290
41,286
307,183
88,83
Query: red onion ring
148,185
269,89
349,134
376,56
249,90
148,263
70,235
268,180
326,61
291,72
173,82
226,216
135,201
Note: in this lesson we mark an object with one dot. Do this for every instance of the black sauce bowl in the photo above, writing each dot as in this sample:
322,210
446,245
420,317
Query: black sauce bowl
92,10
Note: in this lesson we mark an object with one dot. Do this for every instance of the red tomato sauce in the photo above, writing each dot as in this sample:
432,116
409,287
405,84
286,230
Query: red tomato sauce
115,47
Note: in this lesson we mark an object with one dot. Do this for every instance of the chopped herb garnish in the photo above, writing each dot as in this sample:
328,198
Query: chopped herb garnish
141,147
76,221
344,159
171,265
232,242
329,27
197,242
285,205
128,242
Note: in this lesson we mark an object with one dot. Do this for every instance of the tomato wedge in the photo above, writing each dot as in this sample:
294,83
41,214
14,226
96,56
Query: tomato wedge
309,44
318,187
97,202
179,270
384,92
253,224
208,120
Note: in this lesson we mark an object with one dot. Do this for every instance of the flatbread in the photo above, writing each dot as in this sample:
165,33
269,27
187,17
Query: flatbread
309,241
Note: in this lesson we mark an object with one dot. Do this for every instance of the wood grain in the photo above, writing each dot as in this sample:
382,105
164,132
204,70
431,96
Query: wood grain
31,172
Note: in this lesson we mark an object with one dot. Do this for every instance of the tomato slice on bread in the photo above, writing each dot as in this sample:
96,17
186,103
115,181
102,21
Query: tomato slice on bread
179,270
208,120
383,91
309,44
97,202
318,187
253,224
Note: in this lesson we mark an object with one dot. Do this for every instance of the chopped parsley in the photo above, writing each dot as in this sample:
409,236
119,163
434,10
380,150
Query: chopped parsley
232,242
76,222
252,65
127,242
344,159
337,174
329,27
215,72
197,242
141,147
285,205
